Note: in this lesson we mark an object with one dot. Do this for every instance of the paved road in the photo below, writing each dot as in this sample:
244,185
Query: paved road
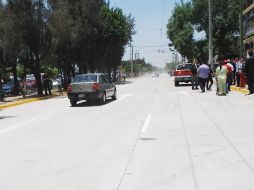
154,137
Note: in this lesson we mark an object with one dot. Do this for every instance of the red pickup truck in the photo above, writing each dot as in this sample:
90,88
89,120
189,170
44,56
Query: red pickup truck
183,73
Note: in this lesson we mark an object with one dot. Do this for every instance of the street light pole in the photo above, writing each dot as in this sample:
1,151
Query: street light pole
210,34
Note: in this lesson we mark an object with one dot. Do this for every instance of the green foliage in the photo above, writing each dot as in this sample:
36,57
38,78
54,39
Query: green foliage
139,67
180,30
194,15
225,23
61,35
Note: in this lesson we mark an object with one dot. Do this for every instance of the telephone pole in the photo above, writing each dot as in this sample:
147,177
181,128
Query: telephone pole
131,59
210,33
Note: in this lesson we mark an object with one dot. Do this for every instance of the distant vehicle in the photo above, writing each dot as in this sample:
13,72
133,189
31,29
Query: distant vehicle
93,86
155,75
183,73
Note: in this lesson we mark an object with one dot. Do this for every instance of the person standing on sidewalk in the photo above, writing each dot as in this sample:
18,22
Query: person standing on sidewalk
249,69
230,68
194,77
221,76
238,71
46,83
203,74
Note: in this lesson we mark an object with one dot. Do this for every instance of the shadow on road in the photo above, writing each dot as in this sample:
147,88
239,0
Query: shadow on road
91,104
123,82
6,117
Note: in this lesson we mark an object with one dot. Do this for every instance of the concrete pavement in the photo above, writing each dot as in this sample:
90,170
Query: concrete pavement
154,137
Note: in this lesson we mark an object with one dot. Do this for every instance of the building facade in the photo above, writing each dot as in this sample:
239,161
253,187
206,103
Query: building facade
248,25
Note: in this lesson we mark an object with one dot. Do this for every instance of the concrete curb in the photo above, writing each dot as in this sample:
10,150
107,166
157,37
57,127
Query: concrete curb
24,101
239,89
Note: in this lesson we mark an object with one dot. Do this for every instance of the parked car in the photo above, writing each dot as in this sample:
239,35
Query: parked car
94,86
8,87
183,73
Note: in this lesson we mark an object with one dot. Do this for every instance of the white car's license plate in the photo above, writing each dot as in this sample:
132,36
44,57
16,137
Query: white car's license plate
81,95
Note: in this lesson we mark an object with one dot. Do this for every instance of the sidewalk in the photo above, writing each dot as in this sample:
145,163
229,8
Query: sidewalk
19,100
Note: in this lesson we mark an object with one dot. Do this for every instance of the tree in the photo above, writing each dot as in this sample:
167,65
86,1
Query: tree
225,23
11,37
180,30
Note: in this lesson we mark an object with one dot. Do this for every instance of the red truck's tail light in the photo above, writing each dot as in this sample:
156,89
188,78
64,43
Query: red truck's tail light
96,86
69,88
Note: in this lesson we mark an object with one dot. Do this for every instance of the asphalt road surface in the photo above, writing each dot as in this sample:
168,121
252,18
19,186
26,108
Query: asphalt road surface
154,137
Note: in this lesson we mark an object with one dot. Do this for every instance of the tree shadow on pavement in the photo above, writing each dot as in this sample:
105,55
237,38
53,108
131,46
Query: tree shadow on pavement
6,117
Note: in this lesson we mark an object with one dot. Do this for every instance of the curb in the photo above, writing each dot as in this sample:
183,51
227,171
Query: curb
240,90
24,101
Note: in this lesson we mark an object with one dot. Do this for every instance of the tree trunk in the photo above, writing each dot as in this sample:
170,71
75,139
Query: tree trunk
37,74
16,82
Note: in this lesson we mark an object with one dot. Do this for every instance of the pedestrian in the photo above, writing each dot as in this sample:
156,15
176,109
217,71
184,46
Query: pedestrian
230,68
203,74
233,63
249,69
210,79
221,76
238,71
46,83
194,77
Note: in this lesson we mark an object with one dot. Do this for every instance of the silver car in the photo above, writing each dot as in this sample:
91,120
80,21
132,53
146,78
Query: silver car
94,86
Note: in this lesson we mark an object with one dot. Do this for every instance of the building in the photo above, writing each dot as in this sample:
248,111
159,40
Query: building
248,25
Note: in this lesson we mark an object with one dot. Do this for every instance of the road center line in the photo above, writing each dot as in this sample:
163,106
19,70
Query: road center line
18,125
146,124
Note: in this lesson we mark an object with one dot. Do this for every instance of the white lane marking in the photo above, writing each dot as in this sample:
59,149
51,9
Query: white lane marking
124,96
156,97
18,125
146,124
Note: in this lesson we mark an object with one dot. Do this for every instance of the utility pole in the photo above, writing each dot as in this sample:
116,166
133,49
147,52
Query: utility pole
210,33
241,28
131,59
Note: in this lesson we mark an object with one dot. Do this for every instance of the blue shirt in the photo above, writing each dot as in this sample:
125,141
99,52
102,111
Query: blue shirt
203,71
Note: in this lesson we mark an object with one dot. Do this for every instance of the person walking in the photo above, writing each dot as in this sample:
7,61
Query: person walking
46,83
194,77
203,74
221,76
249,69
210,79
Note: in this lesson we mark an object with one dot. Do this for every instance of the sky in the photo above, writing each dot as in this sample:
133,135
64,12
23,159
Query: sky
151,18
